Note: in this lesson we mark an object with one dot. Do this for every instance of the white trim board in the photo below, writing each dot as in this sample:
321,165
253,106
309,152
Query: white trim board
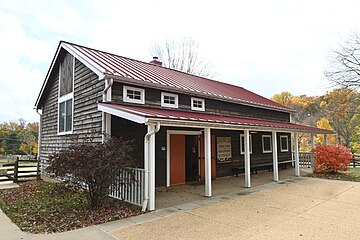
123,114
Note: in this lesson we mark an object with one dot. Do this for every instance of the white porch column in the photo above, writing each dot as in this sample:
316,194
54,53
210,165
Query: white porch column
275,157
151,159
296,149
247,159
207,143
312,143
325,140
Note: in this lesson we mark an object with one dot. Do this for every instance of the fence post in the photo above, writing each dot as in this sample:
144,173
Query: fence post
353,158
16,167
38,170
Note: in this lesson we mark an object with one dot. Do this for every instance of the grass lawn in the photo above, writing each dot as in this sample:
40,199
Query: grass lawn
43,207
352,175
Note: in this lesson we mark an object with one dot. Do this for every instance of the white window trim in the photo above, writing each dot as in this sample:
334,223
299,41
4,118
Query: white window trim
197,108
241,143
287,144
263,137
163,104
61,100
142,95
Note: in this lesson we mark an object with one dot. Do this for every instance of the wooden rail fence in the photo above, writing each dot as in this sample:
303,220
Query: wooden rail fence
20,170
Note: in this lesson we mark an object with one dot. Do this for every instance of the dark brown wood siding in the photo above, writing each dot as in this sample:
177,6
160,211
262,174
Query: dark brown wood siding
153,98
86,118
131,130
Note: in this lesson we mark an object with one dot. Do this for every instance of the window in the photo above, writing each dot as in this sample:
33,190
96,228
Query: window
66,95
66,113
197,104
169,100
284,144
134,95
242,143
266,144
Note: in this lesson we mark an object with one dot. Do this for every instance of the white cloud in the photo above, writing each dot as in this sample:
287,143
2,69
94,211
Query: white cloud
265,46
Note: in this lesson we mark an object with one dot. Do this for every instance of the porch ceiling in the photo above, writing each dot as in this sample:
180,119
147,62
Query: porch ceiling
176,117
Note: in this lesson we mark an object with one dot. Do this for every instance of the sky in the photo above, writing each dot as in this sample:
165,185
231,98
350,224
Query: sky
265,46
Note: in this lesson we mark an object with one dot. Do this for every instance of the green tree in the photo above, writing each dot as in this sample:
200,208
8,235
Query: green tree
18,137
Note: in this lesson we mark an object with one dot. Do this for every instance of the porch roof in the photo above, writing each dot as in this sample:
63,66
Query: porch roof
176,117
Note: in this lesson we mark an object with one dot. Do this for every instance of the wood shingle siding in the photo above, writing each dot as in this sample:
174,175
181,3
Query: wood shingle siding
86,118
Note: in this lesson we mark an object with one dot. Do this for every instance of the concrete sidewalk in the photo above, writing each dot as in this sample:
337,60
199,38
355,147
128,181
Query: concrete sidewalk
296,208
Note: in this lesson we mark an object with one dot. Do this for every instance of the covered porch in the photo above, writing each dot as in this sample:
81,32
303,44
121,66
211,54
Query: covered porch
204,125
190,192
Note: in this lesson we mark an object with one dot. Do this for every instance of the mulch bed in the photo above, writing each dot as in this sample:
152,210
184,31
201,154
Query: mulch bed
352,175
43,207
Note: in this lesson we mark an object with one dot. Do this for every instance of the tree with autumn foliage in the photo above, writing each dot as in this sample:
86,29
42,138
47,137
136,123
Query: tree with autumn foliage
342,108
19,137
325,124
339,108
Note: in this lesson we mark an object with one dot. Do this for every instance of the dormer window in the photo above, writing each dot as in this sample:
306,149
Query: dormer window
197,104
169,100
134,95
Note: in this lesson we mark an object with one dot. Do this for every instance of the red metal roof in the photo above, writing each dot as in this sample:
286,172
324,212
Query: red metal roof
182,117
117,66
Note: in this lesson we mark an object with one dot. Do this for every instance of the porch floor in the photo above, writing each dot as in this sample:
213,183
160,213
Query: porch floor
169,197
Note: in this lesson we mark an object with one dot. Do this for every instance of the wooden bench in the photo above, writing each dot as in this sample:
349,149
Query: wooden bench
258,167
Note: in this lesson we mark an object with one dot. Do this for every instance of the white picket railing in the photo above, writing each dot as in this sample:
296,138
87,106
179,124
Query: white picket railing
128,185
305,159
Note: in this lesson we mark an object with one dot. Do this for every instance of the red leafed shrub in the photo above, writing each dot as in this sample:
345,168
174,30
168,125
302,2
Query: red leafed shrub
331,159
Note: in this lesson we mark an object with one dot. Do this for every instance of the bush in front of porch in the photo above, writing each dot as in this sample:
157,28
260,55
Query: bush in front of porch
92,165
331,159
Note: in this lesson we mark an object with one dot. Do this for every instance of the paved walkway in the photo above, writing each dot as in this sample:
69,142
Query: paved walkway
297,208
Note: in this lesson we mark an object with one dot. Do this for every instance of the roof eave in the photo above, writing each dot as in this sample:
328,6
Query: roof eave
184,123
77,55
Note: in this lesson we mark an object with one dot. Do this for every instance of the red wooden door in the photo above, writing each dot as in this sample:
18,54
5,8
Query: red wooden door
202,158
177,159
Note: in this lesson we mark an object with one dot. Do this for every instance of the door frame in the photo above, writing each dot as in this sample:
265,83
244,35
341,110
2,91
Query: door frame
168,132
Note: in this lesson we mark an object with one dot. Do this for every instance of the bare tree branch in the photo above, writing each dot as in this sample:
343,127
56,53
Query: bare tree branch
183,55
344,64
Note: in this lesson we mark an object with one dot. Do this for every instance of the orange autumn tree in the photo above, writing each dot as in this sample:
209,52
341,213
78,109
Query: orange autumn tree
331,159
324,123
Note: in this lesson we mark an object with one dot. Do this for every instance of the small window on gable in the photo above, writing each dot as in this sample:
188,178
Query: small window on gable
134,95
266,144
242,143
197,104
284,144
169,100
66,95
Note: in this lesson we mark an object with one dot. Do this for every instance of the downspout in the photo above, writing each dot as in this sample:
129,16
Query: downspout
146,165
108,84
